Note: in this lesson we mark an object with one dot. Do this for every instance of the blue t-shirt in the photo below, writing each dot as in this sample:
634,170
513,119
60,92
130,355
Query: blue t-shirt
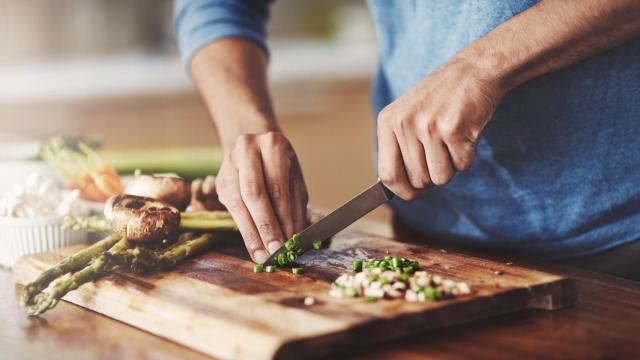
557,170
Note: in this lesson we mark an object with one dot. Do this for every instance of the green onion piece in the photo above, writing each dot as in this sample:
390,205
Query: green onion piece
296,270
291,256
357,265
404,278
297,239
395,262
317,245
281,259
371,299
350,292
407,269
270,269
289,245
258,268
383,281
430,293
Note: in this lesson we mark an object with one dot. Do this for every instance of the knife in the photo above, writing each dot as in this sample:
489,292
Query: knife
340,218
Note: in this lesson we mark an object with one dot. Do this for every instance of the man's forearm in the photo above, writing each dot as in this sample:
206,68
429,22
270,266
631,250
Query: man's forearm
231,77
553,35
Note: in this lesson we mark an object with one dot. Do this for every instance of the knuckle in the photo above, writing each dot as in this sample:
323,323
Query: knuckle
450,130
388,177
267,231
418,182
408,195
384,115
274,138
220,184
244,141
231,202
441,178
276,191
252,244
431,127
464,164
251,190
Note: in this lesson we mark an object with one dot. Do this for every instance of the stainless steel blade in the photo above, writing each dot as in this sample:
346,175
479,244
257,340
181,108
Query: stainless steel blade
340,218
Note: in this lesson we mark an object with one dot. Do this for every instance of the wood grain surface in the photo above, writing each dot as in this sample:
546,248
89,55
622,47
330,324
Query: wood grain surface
217,305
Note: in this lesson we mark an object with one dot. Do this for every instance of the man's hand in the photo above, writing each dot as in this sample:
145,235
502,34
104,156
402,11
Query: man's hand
261,184
430,132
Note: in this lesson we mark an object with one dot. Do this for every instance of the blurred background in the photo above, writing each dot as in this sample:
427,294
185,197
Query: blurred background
110,68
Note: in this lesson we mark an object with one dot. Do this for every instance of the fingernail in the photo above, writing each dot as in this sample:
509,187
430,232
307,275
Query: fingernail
261,256
273,246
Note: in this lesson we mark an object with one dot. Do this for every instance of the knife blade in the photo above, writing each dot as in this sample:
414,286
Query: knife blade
363,203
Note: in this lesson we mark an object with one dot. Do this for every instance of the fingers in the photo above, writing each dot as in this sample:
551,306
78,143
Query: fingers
462,154
229,193
391,169
277,179
299,199
415,163
256,196
438,160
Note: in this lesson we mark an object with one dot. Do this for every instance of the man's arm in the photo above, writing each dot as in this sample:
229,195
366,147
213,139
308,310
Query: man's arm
260,181
230,75
552,35
431,131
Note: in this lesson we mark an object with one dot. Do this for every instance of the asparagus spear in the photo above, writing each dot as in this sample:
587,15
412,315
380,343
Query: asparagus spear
188,248
92,224
210,215
196,220
137,259
207,224
96,268
71,264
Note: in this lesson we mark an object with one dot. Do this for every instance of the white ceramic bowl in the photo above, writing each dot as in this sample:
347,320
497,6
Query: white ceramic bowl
21,236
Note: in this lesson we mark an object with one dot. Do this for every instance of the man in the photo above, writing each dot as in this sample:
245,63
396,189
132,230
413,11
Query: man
535,107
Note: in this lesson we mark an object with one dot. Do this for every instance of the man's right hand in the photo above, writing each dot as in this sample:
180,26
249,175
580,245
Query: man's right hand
261,184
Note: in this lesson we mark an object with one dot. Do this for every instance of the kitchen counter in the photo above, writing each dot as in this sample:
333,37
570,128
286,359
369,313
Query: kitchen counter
604,323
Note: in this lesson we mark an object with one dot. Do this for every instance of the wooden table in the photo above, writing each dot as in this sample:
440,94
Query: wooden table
605,323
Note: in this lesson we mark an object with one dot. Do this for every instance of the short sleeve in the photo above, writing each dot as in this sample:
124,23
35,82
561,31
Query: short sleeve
199,22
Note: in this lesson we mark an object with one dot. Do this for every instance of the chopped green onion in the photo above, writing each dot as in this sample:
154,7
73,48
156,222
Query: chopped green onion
357,265
395,262
431,293
407,269
289,245
383,281
281,259
270,269
350,292
317,245
291,256
297,239
258,268
371,299
296,270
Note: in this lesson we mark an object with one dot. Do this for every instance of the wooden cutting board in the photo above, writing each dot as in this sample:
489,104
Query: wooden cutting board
216,303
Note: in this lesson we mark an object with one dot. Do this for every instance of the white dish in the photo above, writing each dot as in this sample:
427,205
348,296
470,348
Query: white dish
22,236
